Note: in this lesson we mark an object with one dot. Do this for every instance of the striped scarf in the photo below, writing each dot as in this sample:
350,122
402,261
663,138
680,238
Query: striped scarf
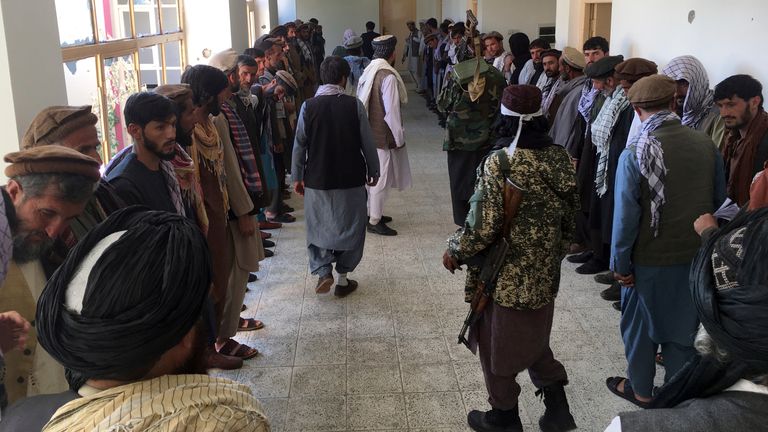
245,157
6,240
700,98
549,93
650,158
587,101
602,128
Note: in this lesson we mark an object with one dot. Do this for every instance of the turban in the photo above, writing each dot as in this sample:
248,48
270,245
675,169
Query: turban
523,101
384,46
54,123
51,159
635,68
573,58
652,91
109,310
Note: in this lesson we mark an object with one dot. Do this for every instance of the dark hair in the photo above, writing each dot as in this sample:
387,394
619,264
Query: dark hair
444,27
246,60
539,43
144,107
206,83
432,22
71,188
506,126
457,32
370,25
254,52
355,51
743,86
333,69
314,21
597,42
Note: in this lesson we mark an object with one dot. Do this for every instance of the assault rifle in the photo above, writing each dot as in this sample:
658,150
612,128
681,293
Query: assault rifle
493,261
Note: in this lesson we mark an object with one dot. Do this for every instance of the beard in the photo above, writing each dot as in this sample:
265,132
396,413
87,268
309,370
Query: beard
736,122
552,74
26,250
155,148
538,67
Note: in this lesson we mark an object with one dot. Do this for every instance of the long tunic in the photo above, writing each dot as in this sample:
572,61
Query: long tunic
335,218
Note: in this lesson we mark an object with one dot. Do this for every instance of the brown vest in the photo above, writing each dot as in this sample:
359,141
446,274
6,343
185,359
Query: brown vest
382,135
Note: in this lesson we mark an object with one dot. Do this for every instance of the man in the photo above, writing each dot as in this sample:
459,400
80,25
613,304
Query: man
145,176
318,44
441,63
334,158
608,132
131,335
518,46
382,91
368,38
357,63
667,177
47,187
567,123
411,52
745,144
513,332
304,48
550,59
694,99
724,387
535,71
467,137
243,186
495,54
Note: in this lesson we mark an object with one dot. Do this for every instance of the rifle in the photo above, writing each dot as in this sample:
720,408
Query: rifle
493,261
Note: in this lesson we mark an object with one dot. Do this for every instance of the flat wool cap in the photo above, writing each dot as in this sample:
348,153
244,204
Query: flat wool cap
494,34
353,42
635,68
430,37
286,79
573,58
522,99
604,67
652,91
224,61
54,123
175,92
280,30
51,159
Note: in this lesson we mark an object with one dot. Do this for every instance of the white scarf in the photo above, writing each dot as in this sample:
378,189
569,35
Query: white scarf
330,90
365,85
523,118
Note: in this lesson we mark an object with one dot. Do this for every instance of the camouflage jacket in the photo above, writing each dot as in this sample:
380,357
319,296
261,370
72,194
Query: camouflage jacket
469,123
541,231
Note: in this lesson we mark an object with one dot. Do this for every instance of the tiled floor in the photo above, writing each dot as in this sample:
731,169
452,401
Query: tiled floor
386,357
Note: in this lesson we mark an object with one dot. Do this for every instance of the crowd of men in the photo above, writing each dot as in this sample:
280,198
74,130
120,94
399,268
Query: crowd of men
625,169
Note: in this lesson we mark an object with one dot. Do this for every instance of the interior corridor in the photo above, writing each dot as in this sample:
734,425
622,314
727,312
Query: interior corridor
386,357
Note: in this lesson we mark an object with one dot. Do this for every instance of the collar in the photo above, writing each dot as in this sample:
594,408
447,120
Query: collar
743,385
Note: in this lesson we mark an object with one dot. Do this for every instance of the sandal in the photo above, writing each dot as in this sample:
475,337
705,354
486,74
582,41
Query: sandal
628,394
234,349
248,324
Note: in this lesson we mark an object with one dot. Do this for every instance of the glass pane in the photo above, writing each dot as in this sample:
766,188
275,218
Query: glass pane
146,18
173,62
170,16
75,26
150,67
83,86
120,77
113,19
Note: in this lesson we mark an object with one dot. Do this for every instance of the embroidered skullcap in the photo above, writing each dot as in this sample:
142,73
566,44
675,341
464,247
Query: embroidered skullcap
109,310
55,123
603,68
353,42
51,159
652,91
225,61
522,99
573,58
635,68
494,34
384,46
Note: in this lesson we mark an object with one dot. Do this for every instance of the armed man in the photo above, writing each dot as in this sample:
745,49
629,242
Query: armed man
525,199
470,100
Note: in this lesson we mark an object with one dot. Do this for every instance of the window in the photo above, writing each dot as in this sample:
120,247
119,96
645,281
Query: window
547,33
113,48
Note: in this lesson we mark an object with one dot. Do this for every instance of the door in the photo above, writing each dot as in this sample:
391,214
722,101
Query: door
597,17
394,16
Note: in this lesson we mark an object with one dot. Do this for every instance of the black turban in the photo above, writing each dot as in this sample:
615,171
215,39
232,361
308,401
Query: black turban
143,295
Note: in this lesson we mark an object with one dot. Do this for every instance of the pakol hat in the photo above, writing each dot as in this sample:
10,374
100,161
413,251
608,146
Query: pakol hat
51,159
280,30
353,42
429,37
635,68
174,92
494,34
55,123
286,80
573,58
225,61
652,91
384,46
603,68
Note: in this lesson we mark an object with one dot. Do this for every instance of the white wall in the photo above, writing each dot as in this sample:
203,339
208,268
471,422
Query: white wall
728,38
286,11
238,24
208,25
30,69
426,9
338,15
455,10
506,16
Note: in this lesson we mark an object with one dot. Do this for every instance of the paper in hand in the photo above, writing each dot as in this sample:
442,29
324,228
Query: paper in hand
728,210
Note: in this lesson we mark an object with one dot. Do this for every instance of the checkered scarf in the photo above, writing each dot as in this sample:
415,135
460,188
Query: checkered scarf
306,51
602,128
245,157
587,101
549,93
700,98
6,240
650,158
